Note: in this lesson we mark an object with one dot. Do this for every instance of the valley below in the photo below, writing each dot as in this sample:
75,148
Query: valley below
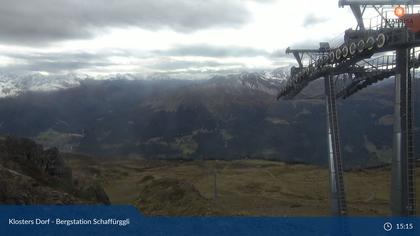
223,146
233,188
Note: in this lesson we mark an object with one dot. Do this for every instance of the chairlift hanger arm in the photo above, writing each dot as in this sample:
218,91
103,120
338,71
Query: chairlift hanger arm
358,14
298,54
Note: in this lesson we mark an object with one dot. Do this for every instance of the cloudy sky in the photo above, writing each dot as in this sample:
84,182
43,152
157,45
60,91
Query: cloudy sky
161,36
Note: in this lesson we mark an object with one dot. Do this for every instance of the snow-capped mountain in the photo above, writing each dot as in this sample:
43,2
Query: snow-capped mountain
268,82
227,116
12,85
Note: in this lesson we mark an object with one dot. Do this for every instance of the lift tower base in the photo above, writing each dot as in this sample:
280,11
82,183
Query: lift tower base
403,162
338,201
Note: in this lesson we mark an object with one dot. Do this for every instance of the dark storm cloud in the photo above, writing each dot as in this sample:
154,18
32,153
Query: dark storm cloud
213,51
44,21
312,19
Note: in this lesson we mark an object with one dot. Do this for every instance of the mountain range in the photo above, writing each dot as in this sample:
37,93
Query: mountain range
225,117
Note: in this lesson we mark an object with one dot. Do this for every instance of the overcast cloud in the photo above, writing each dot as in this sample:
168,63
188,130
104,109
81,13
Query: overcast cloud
213,51
57,62
42,21
146,36
312,19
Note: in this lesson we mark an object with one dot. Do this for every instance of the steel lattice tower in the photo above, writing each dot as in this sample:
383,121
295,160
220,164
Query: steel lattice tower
361,60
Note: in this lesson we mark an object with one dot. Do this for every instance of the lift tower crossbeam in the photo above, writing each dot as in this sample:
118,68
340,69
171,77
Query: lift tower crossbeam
299,53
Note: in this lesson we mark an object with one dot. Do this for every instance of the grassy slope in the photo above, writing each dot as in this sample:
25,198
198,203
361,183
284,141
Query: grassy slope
247,187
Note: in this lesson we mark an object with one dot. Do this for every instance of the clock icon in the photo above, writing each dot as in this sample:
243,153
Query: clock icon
387,226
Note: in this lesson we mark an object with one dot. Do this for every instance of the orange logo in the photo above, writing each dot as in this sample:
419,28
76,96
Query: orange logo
399,11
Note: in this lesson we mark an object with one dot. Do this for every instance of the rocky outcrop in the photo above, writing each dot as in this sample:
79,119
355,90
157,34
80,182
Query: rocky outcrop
90,190
31,175
29,157
16,188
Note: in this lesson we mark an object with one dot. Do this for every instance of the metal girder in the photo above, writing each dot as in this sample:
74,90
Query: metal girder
299,53
358,14
364,80
337,198
403,161
300,83
396,39
298,58
289,50
342,3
